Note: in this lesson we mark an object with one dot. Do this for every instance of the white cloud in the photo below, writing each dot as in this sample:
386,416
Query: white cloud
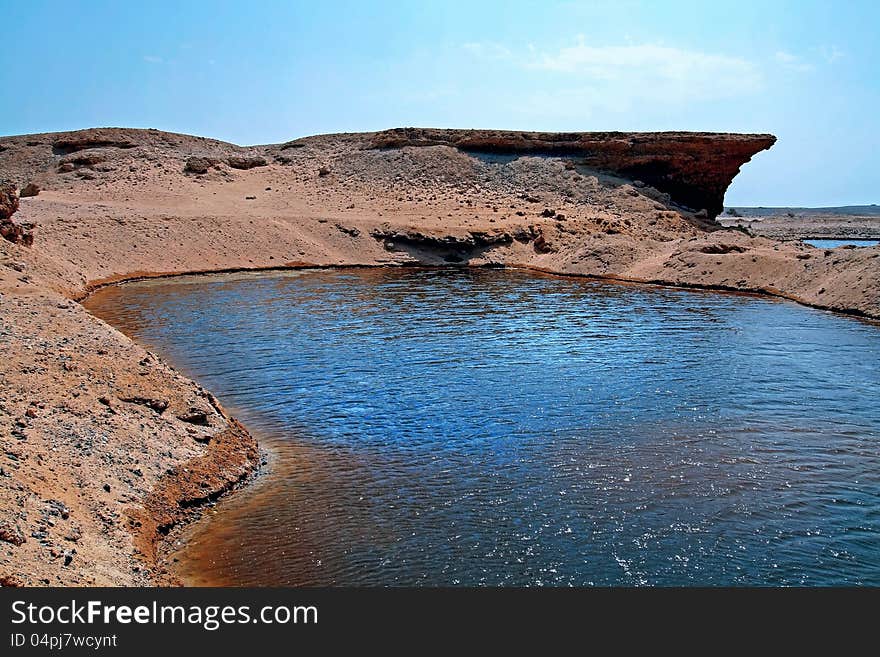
794,62
831,53
621,76
488,50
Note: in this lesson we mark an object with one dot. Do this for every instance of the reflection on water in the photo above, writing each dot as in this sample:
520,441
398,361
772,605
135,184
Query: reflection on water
490,427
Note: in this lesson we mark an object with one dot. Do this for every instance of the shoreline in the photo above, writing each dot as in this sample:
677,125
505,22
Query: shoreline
167,551
176,513
96,286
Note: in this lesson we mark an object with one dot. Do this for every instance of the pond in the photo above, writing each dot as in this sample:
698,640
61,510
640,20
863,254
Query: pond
488,427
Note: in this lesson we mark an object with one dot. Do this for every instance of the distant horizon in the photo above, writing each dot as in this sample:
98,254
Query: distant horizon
804,71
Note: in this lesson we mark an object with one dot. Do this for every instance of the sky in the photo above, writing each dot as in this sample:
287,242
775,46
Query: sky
264,72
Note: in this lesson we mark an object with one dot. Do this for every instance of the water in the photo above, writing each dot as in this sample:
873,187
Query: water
833,244
499,427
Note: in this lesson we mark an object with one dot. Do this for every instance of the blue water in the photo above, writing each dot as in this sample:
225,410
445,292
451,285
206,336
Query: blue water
833,244
499,427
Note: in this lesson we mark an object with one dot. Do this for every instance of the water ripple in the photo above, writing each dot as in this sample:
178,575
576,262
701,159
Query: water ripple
488,427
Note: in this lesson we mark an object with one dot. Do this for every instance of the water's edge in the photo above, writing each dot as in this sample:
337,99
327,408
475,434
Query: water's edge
269,454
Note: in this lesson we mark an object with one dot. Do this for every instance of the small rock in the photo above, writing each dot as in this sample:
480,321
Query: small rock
194,416
11,533
158,405
31,189
353,232
68,556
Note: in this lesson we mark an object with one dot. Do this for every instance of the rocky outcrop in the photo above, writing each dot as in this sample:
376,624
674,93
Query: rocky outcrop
9,229
80,140
445,247
8,199
199,165
246,162
694,168
468,240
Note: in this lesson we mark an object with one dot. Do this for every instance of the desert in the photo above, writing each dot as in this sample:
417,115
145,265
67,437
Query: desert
107,448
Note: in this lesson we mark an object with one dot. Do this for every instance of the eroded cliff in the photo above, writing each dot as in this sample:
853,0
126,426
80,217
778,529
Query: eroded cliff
694,168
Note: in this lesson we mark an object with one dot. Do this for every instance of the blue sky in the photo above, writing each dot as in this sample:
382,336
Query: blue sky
264,72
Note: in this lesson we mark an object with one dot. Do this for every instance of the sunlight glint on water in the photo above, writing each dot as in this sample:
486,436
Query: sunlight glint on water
489,427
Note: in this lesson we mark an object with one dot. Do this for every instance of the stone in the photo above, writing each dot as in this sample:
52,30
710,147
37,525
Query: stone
246,162
11,533
81,140
194,416
86,159
9,229
8,199
198,165
31,189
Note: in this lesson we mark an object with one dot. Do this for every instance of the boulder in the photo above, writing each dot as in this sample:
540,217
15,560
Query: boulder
199,165
9,229
246,162
8,199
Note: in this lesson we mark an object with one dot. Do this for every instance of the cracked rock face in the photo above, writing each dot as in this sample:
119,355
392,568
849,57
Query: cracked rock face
8,199
9,229
694,168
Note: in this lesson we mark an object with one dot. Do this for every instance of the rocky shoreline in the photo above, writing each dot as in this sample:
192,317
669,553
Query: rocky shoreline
106,448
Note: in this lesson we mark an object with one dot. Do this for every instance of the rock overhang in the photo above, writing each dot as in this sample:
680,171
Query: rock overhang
694,168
